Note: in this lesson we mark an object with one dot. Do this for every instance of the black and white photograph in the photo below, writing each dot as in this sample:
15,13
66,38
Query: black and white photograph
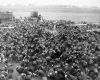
49,39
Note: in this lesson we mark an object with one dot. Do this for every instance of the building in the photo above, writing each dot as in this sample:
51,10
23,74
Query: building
6,16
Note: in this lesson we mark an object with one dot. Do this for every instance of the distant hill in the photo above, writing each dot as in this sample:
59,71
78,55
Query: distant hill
48,8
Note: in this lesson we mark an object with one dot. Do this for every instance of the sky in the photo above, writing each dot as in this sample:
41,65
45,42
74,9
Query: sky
52,2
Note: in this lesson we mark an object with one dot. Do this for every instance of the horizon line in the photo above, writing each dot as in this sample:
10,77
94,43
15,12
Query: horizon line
21,5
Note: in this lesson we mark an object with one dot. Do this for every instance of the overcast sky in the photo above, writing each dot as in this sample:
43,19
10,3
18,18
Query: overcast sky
53,2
